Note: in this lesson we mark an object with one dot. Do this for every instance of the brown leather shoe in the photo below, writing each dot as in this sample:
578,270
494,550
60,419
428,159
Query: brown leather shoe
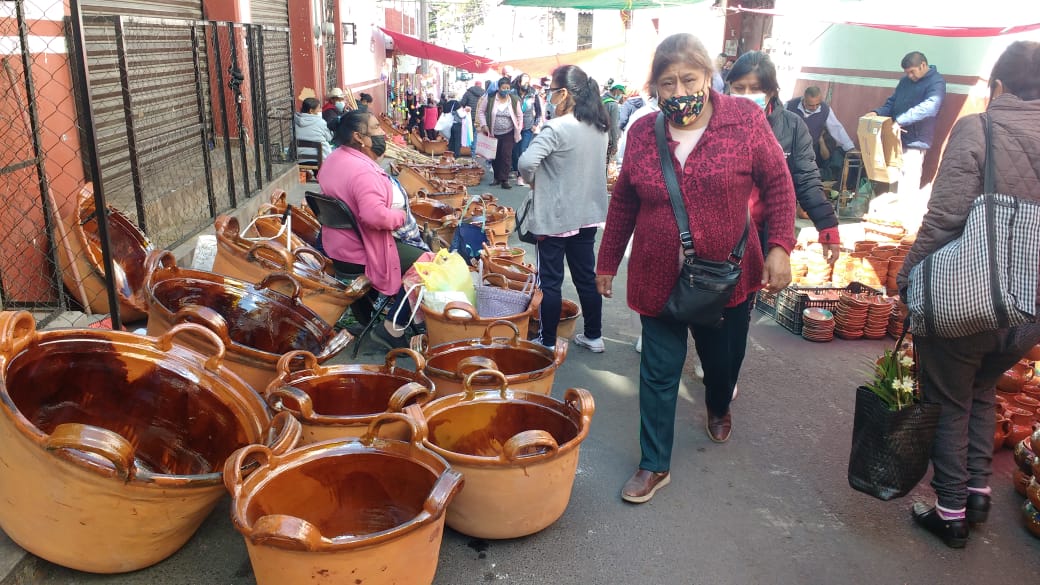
643,485
719,427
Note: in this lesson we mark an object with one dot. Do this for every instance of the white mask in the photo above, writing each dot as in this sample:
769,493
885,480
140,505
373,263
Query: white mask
758,98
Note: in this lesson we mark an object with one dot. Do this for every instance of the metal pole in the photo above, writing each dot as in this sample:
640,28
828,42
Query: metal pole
86,118
131,130
229,162
239,118
259,111
424,30
201,104
259,48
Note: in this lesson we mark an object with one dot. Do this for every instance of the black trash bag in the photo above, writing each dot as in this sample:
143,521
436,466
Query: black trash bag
890,449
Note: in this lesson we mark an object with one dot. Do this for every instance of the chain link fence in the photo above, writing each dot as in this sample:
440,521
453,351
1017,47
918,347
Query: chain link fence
190,119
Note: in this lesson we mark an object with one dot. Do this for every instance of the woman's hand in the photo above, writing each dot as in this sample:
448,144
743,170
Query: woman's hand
776,274
604,284
831,253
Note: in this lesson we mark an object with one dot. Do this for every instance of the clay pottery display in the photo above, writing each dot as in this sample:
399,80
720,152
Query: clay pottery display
336,402
1026,402
305,224
1021,424
1012,380
1035,440
82,265
324,294
1024,455
255,323
526,365
497,220
517,450
112,444
1021,480
569,313
1033,491
413,180
430,213
518,274
1032,388
1003,429
506,252
368,510
1031,518
460,321
864,246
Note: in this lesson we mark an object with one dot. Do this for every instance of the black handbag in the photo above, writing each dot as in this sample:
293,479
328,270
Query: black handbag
704,287
522,213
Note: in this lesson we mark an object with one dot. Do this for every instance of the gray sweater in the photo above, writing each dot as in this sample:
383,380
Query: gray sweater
566,167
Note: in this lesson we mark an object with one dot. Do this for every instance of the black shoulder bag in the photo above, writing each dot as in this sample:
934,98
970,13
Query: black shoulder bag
704,286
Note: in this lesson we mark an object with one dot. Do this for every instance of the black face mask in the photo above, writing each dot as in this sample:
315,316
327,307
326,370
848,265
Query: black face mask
378,145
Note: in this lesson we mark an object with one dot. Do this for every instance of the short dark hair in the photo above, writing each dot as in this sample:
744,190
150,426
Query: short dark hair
505,81
366,98
351,122
1018,70
679,48
758,63
812,91
309,104
913,59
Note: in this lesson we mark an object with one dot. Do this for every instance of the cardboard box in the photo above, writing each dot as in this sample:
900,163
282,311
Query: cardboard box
881,147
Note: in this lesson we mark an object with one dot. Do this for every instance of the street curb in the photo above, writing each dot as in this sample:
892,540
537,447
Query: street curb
14,562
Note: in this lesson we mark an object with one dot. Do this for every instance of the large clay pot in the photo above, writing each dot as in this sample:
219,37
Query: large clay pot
304,223
336,402
367,510
569,313
517,450
1012,380
250,261
79,253
526,365
1024,456
460,321
256,324
1022,422
112,444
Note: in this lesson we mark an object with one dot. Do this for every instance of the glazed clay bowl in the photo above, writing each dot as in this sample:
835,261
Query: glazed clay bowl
1031,518
569,313
368,510
526,365
517,450
113,443
460,321
337,402
255,323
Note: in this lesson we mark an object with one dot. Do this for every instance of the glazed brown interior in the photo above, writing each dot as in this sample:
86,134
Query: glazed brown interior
346,495
175,425
351,394
511,361
482,428
129,250
253,320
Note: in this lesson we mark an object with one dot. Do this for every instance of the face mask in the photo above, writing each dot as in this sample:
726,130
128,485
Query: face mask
340,106
682,111
759,99
378,145
503,92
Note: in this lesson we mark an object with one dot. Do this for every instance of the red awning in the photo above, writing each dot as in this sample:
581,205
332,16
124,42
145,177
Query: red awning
417,48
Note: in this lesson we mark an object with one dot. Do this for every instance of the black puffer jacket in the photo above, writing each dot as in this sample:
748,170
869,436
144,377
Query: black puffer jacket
793,135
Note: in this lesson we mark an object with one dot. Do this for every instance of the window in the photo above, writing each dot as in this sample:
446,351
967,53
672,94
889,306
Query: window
584,31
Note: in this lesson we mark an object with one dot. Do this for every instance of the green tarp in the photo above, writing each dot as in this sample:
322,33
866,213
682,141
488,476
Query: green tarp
601,4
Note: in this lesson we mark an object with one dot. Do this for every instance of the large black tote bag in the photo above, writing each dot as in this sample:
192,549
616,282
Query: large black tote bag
890,448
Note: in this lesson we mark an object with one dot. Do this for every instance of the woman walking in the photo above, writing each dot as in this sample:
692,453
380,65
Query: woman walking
501,118
721,148
564,166
960,373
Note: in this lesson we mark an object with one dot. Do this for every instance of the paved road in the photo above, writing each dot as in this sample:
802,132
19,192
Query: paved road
770,506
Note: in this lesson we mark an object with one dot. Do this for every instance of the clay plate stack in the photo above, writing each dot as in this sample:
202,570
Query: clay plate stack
878,316
817,324
896,318
850,316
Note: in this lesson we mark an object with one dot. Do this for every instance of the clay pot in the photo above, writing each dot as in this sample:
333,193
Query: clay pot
864,246
413,180
1031,518
1032,388
1021,424
337,402
526,365
113,443
79,255
569,313
368,510
1021,481
256,324
447,326
518,452
506,252
305,224
430,212
1003,429
1025,457
1026,402
1012,380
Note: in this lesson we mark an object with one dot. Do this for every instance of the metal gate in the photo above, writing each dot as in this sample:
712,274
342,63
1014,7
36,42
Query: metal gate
271,12
331,69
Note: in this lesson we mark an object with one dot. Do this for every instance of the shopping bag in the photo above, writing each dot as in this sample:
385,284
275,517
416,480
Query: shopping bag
470,236
487,147
890,448
444,123
448,272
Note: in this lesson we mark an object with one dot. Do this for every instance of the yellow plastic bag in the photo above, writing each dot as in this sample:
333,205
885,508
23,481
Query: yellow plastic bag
447,273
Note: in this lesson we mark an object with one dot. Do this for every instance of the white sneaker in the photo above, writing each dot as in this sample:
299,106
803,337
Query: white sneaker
593,345
639,344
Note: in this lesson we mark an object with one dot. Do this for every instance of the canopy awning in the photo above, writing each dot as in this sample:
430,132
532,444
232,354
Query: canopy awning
540,66
601,4
417,48
952,24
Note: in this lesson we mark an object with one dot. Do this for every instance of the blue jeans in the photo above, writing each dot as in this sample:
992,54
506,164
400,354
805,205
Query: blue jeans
721,350
579,250
526,136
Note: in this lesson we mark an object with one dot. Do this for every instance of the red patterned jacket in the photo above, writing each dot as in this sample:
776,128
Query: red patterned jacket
737,153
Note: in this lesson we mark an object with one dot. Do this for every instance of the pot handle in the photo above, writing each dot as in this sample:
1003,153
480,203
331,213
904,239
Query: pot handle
581,400
517,448
560,352
285,363
97,441
467,382
292,400
414,355
283,433
410,393
474,363
227,227
443,492
489,277
358,287
323,261
286,532
486,338
284,257
418,430
285,277
207,318
420,344
17,328
471,312
246,457
157,259
165,342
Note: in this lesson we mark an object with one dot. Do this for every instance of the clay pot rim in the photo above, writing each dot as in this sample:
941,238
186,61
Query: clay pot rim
555,358
117,221
243,492
232,387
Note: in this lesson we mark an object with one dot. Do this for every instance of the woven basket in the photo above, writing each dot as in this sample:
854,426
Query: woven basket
502,301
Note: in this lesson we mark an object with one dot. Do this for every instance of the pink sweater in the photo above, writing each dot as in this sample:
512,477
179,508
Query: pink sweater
737,153
352,177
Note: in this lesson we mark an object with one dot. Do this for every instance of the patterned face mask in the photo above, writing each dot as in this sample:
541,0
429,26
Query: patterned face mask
683,110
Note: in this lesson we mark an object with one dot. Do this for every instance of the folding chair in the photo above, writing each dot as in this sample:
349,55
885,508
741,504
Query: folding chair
333,213
309,156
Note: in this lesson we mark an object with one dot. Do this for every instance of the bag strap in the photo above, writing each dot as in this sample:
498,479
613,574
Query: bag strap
675,196
989,173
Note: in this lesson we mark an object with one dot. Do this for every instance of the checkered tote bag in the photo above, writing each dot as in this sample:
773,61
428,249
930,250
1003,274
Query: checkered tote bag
987,278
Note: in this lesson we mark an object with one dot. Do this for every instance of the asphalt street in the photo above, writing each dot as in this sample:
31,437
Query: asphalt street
770,506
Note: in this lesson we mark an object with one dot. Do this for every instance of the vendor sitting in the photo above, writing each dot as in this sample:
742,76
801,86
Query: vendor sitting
311,127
